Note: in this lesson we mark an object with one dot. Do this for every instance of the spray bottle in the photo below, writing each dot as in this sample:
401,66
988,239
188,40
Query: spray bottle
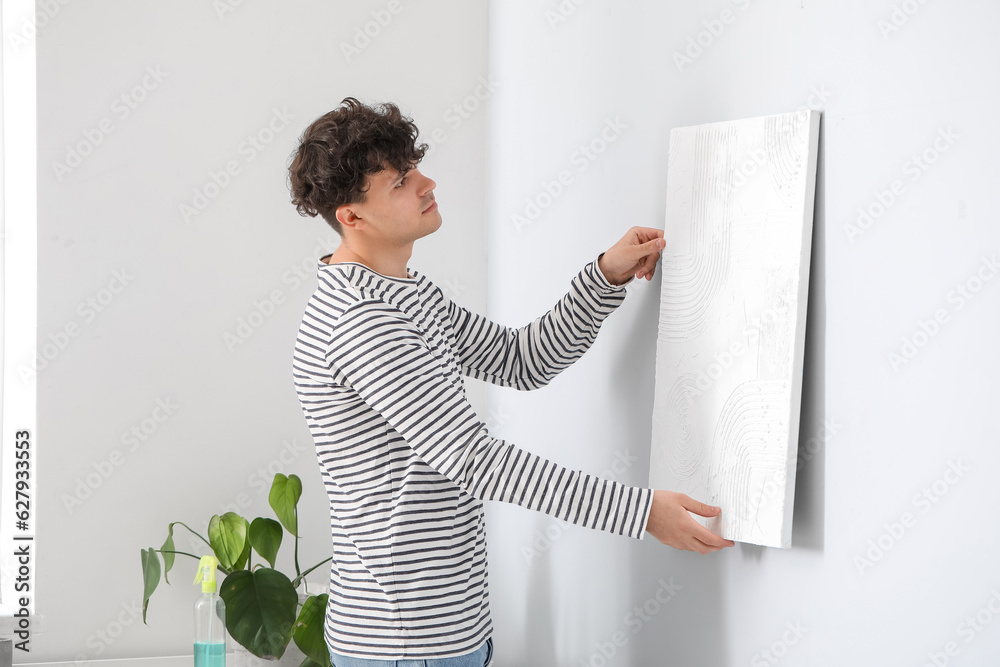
209,618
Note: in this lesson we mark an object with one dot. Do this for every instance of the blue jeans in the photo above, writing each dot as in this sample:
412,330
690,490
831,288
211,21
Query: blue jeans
478,658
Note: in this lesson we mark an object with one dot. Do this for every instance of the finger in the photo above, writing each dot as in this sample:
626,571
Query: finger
654,246
698,507
649,263
649,270
645,252
643,272
638,237
647,233
706,536
699,532
645,256
703,548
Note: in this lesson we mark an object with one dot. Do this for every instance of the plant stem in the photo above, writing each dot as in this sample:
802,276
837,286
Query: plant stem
298,574
302,576
195,534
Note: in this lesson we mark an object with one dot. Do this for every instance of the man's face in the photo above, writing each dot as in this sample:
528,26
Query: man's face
399,207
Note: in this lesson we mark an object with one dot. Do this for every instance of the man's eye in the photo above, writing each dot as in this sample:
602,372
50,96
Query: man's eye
400,184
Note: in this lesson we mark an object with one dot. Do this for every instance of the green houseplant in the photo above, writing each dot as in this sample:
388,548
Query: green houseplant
262,604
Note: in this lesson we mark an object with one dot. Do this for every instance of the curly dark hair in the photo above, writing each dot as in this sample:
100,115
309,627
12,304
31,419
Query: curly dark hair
338,152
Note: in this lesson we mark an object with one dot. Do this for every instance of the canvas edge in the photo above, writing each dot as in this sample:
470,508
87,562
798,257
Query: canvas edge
802,316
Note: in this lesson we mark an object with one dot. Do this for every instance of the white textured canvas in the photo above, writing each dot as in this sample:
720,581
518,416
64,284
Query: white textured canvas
731,334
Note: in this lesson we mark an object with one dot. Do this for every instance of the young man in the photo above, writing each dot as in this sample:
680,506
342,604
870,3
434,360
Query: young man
379,365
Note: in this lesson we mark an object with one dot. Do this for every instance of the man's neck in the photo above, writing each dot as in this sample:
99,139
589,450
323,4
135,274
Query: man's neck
392,264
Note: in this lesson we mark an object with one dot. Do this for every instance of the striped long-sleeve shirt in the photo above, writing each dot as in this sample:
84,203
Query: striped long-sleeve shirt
407,463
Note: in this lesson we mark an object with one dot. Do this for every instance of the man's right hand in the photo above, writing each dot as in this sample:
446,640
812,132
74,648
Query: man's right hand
670,523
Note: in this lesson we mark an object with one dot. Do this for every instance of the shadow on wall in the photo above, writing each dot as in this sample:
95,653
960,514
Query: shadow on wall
810,476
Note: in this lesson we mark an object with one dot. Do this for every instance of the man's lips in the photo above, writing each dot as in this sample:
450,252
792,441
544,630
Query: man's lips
432,207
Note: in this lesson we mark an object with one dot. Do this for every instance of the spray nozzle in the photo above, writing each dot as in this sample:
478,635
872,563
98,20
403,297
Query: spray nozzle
206,573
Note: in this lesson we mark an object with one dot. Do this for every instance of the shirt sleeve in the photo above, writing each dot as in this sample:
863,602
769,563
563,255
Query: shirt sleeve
530,356
385,359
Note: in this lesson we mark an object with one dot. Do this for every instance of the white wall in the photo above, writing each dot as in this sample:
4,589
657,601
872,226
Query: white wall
892,431
161,337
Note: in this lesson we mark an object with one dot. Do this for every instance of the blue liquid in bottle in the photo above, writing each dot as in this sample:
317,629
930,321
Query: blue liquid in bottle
209,655
209,618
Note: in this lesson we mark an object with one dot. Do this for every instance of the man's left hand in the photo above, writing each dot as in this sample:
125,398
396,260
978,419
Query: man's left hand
635,254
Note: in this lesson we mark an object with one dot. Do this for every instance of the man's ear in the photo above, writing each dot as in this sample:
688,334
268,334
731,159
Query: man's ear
347,217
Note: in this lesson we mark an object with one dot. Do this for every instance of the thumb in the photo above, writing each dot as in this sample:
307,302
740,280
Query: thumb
700,508
649,247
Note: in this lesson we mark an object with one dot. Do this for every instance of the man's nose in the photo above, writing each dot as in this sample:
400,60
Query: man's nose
427,184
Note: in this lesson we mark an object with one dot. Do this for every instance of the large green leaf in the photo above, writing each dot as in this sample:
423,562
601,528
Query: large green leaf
265,536
285,494
151,576
228,536
168,552
308,633
260,610
245,554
